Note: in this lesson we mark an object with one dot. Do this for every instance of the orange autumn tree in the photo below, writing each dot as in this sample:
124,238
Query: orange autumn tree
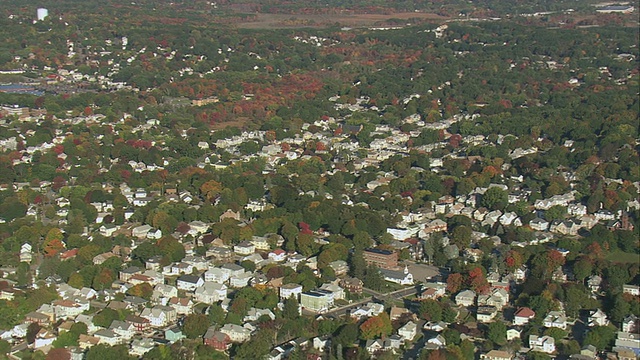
376,326
477,281
53,242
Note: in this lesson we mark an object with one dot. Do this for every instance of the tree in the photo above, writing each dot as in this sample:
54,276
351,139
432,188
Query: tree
494,198
347,334
104,352
430,310
477,280
195,325
58,354
461,236
32,331
290,310
497,333
105,317
171,248
53,242
216,314
373,278
376,326
582,268
143,290
600,336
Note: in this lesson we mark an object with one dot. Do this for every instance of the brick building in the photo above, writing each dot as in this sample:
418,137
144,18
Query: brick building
384,259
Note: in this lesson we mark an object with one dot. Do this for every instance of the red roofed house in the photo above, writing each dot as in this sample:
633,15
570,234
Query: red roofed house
69,254
523,315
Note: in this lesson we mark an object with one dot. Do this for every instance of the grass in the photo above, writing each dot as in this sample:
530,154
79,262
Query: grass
620,256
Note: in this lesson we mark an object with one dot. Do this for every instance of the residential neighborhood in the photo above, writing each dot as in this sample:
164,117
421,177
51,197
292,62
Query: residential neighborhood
329,195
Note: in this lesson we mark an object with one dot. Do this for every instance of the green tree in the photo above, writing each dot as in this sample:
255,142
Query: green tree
497,333
195,325
494,198
290,310
104,352
430,310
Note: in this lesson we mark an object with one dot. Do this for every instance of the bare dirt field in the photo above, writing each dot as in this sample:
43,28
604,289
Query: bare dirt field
322,20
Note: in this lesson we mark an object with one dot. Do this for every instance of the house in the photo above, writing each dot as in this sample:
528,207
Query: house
398,277
139,324
216,275
183,305
631,324
218,340
408,331
436,342
340,267
278,255
244,248
241,280
254,314
260,242
498,297
321,343
433,290
523,315
139,347
513,334
597,318
593,282
383,259
124,329
126,274
288,290
631,289
338,292
352,285
101,258
198,262
210,292
141,231
544,344
44,338
555,319
539,224
164,291
86,341
108,337
317,300
221,254
369,310
236,333
174,334
230,214
486,313
496,355
38,318
466,298
159,315
233,270
189,282
66,309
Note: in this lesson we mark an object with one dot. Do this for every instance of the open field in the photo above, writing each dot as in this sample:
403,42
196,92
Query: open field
274,21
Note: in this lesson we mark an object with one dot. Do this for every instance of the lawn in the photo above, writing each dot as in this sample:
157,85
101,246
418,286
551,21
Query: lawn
620,256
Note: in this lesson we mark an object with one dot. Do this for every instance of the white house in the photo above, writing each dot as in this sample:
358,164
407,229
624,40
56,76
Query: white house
408,331
236,333
598,318
466,298
210,292
556,319
288,290
544,344
216,275
523,316
189,282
